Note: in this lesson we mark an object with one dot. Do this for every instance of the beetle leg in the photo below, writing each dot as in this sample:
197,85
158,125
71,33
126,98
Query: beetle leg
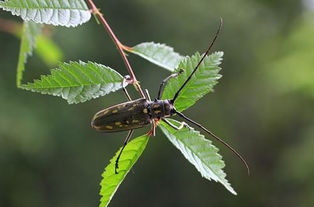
147,95
155,123
125,80
183,124
127,139
164,82
127,94
153,130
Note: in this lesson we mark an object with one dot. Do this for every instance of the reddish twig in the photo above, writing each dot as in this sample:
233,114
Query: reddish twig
120,47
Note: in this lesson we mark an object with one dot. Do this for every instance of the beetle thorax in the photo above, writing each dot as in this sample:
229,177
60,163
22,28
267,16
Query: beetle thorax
160,108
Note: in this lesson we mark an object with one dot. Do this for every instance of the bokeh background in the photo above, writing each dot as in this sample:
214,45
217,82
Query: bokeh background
263,106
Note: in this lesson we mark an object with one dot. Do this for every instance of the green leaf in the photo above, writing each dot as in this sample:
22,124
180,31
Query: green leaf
78,82
30,33
48,51
45,47
159,54
57,12
199,151
111,181
201,83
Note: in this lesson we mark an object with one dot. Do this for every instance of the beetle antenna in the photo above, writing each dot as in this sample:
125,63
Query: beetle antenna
199,63
218,139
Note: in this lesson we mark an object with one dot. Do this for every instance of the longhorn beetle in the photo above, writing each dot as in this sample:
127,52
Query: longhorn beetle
138,113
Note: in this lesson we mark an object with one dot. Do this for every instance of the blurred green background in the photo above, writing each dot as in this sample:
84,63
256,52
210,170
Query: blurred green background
263,106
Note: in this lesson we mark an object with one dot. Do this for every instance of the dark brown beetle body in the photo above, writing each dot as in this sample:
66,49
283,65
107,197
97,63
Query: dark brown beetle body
131,115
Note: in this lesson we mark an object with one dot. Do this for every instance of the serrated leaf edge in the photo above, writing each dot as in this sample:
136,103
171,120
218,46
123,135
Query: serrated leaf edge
125,172
133,50
219,179
60,68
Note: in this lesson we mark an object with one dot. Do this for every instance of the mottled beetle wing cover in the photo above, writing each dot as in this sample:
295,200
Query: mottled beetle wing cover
122,117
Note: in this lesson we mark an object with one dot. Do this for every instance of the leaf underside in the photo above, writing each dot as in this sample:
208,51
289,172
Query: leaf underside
56,12
199,151
78,82
201,83
30,33
159,54
111,181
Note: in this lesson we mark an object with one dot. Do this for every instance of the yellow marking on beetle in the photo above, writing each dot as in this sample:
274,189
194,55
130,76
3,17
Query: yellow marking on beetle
157,112
118,123
121,107
145,111
156,106
135,121
130,109
114,111
109,127
104,112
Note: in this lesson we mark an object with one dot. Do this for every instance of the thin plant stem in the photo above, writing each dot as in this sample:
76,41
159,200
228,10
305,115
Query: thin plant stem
120,47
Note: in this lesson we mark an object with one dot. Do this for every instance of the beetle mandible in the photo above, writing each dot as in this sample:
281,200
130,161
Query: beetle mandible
138,113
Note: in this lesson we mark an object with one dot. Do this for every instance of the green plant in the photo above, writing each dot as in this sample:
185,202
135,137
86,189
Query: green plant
78,82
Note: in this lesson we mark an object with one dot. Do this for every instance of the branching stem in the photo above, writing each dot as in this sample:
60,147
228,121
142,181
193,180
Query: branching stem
120,47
